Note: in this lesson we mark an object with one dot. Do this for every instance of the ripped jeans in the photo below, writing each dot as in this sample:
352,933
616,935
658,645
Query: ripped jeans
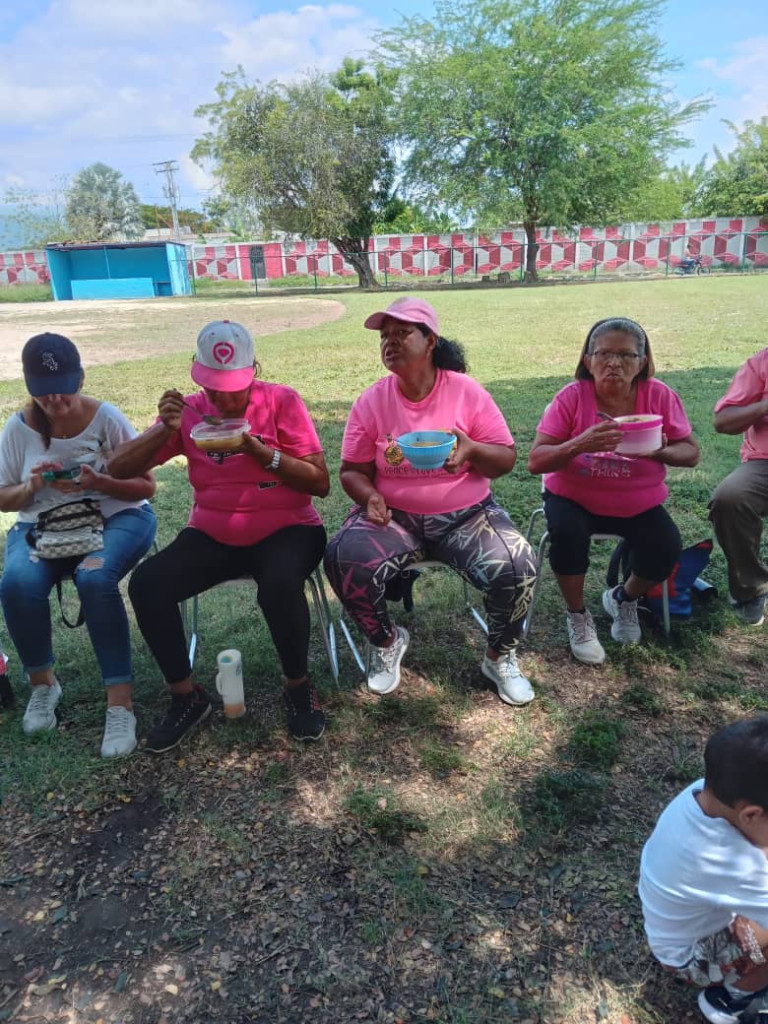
28,580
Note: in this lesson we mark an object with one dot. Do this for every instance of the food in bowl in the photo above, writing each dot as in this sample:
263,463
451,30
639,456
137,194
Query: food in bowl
219,437
427,449
641,434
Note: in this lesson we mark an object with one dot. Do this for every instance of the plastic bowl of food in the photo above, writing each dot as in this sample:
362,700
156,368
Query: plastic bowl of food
426,449
641,434
219,437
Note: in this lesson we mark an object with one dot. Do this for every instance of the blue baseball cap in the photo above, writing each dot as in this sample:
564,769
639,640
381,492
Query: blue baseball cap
51,365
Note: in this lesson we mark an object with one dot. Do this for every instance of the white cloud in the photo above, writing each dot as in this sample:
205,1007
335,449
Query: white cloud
741,82
119,81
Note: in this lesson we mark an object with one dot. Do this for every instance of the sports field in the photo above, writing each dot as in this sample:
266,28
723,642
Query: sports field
438,856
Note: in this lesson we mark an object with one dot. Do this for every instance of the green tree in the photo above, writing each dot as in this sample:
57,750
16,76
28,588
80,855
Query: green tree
672,194
737,183
102,206
545,111
33,219
312,158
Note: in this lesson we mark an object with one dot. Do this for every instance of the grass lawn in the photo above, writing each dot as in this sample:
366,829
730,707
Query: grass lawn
438,856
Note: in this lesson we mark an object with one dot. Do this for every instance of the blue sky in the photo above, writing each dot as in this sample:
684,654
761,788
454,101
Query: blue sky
118,80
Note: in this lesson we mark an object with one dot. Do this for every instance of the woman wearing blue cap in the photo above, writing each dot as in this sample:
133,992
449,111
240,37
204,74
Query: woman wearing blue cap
54,452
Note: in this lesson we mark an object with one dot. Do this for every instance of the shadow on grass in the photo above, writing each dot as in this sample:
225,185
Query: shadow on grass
437,856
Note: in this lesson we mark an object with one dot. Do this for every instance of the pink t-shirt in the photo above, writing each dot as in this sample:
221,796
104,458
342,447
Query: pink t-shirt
748,386
235,500
607,484
382,413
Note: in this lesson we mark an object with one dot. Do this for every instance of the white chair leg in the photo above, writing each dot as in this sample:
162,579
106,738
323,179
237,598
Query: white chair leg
320,601
540,553
472,608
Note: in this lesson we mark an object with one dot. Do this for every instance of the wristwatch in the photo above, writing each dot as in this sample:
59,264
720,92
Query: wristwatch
272,467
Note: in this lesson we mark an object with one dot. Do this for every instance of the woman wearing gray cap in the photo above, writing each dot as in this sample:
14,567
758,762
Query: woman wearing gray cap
53,452
252,515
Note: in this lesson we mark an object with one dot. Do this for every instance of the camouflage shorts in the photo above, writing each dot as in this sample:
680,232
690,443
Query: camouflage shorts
716,960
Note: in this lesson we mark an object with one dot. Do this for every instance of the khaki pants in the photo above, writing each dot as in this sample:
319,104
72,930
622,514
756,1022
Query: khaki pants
736,510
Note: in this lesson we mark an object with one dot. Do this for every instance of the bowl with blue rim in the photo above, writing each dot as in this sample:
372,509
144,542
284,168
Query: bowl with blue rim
426,449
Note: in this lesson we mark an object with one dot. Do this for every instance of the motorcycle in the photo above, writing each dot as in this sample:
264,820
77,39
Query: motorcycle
695,265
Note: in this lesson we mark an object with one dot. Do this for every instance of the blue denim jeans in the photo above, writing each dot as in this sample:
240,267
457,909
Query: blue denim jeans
28,580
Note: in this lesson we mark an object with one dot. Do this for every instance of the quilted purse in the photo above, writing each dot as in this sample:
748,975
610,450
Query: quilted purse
76,528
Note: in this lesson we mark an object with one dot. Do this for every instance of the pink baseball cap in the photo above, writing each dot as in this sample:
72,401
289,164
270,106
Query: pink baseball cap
409,310
224,357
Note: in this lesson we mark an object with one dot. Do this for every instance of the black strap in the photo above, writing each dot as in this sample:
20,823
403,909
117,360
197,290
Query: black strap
80,613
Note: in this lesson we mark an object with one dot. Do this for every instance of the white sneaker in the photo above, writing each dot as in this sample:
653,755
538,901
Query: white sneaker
582,636
512,686
625,629
41,709
384,673
119,733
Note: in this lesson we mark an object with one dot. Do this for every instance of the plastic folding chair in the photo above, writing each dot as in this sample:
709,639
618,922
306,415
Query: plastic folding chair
190,618
541,552
364,661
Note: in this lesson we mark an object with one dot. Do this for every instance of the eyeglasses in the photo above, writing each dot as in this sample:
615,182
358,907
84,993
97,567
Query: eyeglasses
625,358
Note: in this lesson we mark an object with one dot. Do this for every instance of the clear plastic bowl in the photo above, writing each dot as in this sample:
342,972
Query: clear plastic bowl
220,437
641,434
426,449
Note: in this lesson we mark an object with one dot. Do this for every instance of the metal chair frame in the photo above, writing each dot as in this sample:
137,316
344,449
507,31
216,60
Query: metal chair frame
364,662
190,617
541,551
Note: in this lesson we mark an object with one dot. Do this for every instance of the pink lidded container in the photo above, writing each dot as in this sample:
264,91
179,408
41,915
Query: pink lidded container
642,434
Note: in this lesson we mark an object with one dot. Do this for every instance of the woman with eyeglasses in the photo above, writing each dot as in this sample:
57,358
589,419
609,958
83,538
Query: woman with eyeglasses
590,489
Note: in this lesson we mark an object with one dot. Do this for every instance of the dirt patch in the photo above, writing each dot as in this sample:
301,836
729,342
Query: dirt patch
107,331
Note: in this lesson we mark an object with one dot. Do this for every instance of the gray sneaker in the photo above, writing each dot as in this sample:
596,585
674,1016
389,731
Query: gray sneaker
119,733
751,612
625,629
41,709
582,636
384,673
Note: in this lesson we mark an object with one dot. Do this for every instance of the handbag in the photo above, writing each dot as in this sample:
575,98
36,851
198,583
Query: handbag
76,528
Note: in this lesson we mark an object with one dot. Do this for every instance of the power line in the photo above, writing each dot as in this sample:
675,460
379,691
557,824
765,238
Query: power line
168,168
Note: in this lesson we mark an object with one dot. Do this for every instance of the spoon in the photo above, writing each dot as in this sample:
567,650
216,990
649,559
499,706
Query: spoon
214,421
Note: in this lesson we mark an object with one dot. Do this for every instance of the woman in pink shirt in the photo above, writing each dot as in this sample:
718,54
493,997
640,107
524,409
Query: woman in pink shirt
403,515
252,515
589,489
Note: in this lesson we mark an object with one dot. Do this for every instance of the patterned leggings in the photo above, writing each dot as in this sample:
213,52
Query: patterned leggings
479,542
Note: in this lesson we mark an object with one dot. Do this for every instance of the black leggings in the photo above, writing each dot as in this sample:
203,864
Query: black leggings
652,537
280,564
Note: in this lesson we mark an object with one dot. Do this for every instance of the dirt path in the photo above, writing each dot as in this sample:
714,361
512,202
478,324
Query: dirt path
105,331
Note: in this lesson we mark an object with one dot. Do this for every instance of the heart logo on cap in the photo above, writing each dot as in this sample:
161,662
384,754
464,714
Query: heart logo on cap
223,352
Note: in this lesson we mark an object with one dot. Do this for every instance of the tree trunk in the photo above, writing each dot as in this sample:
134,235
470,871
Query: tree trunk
355,251
531,252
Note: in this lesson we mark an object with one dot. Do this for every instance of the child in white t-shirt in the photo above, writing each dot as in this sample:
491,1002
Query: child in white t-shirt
704,877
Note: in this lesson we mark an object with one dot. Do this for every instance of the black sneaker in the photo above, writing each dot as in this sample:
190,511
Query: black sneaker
306,719
186,712
720,1007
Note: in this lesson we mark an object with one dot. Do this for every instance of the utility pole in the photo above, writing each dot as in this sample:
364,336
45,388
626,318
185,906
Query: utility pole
168,168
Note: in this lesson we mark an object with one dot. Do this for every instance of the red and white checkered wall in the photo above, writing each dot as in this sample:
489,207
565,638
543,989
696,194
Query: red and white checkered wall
636,248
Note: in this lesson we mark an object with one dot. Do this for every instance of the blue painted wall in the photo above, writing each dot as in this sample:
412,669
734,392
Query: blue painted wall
115,272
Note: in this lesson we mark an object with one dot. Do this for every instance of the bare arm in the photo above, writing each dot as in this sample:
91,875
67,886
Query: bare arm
735,419
683,453
307,475
137,488
357,480
491,460
135,457
549,454
17,496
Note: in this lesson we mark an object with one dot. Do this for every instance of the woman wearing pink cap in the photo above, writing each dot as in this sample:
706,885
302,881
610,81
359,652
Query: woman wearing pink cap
252,514
403,515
